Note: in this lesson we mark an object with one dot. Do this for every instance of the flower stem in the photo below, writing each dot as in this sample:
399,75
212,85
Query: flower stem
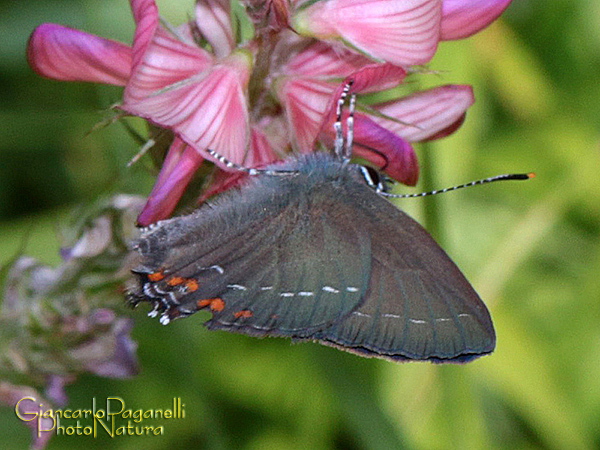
431,212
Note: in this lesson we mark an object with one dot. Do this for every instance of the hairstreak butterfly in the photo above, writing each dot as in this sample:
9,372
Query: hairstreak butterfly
310,249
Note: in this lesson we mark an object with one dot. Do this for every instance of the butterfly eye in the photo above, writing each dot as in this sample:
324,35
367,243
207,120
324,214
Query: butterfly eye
374,179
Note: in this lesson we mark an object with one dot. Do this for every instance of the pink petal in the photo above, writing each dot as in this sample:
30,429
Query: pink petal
176,86
222,181
145,15
178,169
401,32
261,150
158,52
378,145
165,61
392,154
462,18
214,22
260,155
66,54
305,101
427,113
448,130
322,60
372,77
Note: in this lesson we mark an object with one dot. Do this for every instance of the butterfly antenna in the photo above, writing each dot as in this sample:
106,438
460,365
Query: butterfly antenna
505,177
249,170
350,128
338,143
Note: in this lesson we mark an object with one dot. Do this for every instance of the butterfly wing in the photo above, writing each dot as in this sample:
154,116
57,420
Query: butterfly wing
303,282
418,305
321,257
265,262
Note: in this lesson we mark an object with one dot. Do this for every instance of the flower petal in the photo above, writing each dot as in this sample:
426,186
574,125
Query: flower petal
305,101
55,388
261,154
261,150
206,107
118,361
401,32
163,60
174,84
213,19
145,15
372,77
385,150
66,54
462,18
222,181
427,113
179,167
392,154
320,59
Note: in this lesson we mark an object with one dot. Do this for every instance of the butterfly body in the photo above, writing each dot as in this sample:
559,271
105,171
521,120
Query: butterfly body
317,255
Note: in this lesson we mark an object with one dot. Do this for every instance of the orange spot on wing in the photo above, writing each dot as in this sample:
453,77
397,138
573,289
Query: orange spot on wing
156,276
203,303
191,285
243,313
215,304
174,281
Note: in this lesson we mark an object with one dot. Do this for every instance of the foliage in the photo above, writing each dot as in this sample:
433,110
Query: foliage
531,250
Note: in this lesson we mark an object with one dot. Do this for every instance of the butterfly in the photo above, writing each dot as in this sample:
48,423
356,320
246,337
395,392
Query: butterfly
310,249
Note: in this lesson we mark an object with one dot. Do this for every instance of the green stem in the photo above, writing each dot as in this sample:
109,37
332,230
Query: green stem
431,211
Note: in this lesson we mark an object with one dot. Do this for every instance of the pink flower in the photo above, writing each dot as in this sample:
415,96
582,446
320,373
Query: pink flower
402,32
308,87
169,81
177,170
65,54
178,85
252,101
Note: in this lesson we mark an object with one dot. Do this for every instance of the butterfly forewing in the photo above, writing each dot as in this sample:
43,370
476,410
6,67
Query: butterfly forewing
280,291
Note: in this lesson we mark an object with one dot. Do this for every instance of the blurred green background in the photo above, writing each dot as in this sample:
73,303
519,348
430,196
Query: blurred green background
532,251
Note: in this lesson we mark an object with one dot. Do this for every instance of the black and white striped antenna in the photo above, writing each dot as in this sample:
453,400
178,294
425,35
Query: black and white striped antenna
504,177
343,148
249,170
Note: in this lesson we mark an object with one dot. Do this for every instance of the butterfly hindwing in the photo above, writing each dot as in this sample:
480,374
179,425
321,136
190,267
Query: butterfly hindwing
418,305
